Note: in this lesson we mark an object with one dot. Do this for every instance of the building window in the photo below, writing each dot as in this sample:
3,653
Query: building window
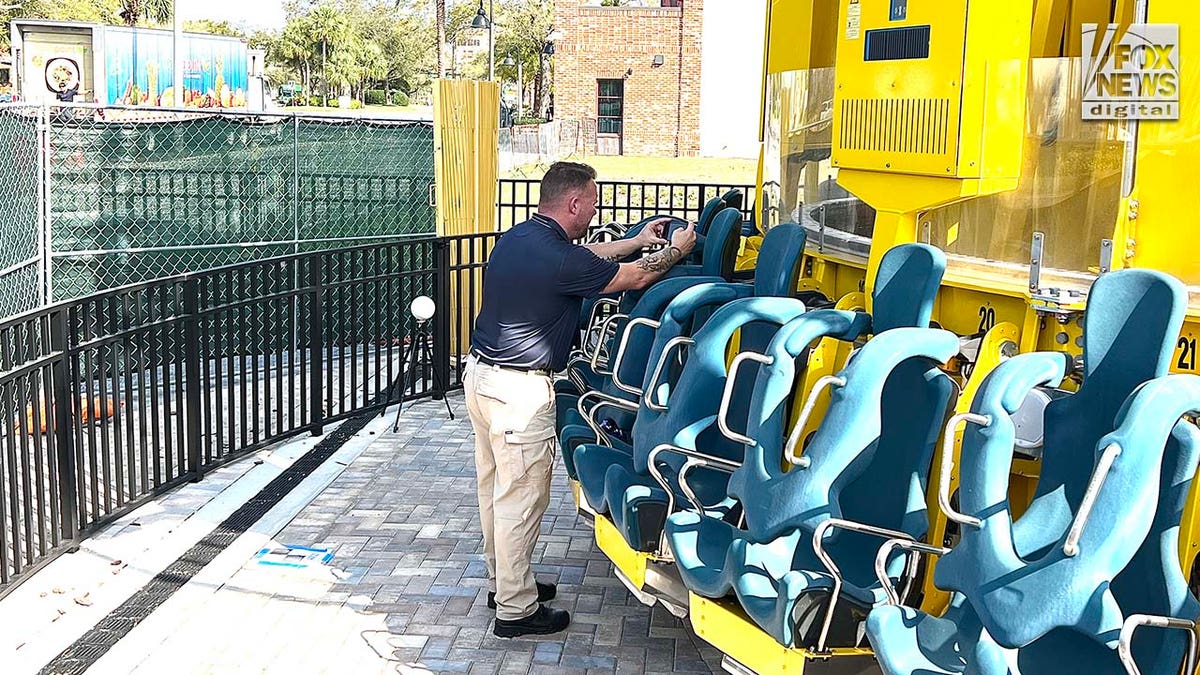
610,106
672,3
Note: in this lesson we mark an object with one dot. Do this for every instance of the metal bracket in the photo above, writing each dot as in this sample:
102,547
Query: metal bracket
1035,261
821,238
1106,255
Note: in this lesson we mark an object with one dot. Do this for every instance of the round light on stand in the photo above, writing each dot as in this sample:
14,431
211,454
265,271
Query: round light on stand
423,308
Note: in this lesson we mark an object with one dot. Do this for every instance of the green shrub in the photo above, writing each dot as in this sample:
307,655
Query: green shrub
399,98
333,102
355,104
376,97
528,120
316,101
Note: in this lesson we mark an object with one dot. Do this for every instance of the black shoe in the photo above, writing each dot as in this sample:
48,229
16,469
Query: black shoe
542,622
546,593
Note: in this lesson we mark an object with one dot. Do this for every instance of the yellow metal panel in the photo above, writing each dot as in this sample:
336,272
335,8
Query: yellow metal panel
992,353
722,624
1049,24
901,115
1167,151
1085,11
799,37
631,563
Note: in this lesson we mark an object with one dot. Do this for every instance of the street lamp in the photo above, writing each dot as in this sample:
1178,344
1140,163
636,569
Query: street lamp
484,20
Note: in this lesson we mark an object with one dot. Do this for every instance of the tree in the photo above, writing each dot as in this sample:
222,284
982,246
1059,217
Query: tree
213,28
135,12
88,11
524,31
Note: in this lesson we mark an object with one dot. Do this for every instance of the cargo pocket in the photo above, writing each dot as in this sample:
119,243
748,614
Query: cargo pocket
535,447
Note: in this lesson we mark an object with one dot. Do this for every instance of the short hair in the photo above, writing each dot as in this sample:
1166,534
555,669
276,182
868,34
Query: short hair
564,178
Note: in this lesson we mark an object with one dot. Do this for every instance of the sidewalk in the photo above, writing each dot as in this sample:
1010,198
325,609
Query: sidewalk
405,591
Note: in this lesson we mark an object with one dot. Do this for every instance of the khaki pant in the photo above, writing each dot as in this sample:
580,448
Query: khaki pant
513,416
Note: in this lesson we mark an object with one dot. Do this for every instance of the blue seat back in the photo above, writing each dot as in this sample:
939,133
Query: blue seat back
906,286
733,199
693,400
721,245
1023,600
650,305
887,414
684,315
779,261
1129,333
711,208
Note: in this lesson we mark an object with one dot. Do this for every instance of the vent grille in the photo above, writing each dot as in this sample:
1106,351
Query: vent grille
897,44
915,125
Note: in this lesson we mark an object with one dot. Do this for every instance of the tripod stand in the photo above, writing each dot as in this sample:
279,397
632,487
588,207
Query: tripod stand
419,349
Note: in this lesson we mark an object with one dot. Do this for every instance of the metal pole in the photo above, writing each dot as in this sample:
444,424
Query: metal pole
520,90
178,55
491,43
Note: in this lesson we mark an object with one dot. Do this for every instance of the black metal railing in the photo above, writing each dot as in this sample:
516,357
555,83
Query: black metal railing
623,202
113,398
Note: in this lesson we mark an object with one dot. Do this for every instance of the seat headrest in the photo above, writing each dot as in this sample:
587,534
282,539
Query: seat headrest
721,244
1133,319
733,199
906,287
779,259
711,208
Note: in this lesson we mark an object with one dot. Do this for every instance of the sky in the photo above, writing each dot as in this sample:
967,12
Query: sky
265,14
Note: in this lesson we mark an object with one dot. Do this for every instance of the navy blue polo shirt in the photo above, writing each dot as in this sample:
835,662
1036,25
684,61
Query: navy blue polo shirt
533,290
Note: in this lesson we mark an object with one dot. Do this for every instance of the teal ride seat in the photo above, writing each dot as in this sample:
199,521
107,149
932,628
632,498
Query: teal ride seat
1125,562
635,502
877,479
717,258
777,275
1058,584
619,405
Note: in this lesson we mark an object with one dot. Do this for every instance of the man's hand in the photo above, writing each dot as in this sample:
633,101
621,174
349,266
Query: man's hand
684,239
651,234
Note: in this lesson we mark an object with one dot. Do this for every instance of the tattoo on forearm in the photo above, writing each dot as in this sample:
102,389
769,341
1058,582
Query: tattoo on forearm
661,261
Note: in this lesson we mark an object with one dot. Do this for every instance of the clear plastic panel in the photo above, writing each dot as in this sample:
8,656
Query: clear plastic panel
798,175
1070,186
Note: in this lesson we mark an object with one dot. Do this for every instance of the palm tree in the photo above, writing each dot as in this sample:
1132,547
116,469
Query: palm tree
132,12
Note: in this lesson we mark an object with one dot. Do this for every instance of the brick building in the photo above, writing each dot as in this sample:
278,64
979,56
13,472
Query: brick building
635,74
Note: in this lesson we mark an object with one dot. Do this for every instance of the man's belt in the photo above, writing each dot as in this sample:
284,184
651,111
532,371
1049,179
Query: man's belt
488,362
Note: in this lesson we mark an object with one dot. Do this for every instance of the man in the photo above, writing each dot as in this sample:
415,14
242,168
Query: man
532,294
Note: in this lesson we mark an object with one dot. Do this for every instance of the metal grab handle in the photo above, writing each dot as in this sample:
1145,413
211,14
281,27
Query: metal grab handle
701,463
1071,547
789,452
695,459
604,328
658,371
885,552
823,556
1136,621
591,322
604,400
727,397
984,421
616,362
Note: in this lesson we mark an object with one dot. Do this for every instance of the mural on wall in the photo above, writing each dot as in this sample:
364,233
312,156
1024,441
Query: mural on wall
58,72
214,70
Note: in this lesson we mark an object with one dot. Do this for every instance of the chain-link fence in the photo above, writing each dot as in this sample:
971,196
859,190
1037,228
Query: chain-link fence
131,195
21,260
